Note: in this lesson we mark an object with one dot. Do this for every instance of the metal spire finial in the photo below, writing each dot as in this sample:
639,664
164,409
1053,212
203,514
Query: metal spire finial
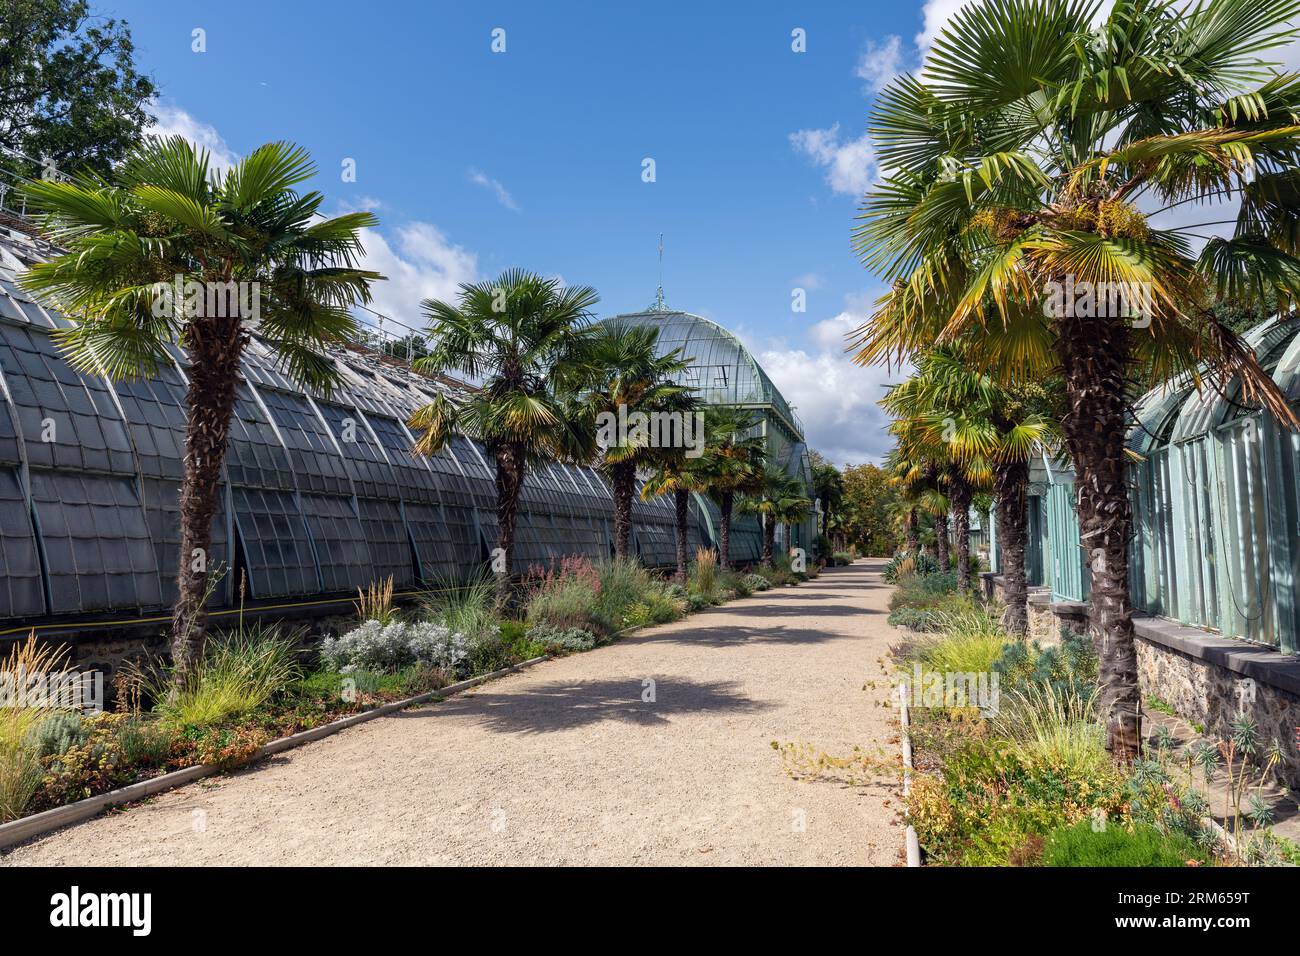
659,296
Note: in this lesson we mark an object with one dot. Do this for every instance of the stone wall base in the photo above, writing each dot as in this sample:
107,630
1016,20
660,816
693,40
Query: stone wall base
1211,694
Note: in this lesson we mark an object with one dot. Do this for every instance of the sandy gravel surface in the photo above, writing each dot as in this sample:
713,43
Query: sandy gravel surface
566,763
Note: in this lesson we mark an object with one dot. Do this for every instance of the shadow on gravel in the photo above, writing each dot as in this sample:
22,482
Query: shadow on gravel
561,705
799,609
730,635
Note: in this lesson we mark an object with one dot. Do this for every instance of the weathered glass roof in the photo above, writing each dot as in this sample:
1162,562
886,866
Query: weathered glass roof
1177,412
321,494
723,370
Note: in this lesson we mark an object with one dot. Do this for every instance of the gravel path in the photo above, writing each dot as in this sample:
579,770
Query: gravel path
575,761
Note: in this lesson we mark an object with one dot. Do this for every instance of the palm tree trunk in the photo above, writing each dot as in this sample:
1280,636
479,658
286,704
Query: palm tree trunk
1009,483
941,542
959,495
1095,355
681,504
912,538
510,479
725,502
214,348
623,478
769,540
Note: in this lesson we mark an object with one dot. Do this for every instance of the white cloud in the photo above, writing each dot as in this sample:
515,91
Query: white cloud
487,182
835,398
421,263
935,16
809,280
880,63
418,261
850,164
174,121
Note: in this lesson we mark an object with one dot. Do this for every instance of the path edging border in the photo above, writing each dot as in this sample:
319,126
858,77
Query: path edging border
913,844
37,824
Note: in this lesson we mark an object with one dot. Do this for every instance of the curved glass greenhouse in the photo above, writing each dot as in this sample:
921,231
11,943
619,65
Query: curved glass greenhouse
321,495
723,372
1216,512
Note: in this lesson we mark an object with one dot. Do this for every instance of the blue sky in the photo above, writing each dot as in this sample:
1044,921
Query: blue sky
476,161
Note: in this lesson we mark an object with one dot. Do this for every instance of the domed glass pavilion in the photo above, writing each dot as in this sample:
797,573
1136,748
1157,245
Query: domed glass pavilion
723,372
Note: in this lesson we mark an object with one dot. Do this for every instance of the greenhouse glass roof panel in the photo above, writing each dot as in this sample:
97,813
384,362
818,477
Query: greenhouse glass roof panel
723,371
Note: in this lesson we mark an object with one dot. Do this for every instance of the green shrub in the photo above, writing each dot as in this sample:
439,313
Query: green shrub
921,563
932,590
566,599
732,581
917,618
1084,845
515,634
333,687
842,558
776,577
561,640
491,651
469,609
1070,667
756,582
961,652
822,547
57,734
238,673
143,742
995,801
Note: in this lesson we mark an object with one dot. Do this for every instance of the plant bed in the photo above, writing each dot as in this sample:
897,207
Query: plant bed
156,780
1023,779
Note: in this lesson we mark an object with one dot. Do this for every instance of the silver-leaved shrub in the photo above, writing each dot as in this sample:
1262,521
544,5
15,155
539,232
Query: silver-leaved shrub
375,646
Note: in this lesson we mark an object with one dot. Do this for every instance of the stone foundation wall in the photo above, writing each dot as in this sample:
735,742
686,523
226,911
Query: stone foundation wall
1044,627
1210,696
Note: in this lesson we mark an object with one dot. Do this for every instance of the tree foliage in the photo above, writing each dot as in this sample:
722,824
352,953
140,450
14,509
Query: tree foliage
69,88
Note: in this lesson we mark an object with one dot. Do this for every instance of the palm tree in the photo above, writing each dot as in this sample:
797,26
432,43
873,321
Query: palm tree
676,475
730,465
521,337
254,247
914,495
627,382
1030,157
828,486
983,427
922,466
779,498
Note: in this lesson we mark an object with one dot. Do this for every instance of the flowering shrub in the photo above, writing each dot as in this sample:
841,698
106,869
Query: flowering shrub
566,597
376,646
